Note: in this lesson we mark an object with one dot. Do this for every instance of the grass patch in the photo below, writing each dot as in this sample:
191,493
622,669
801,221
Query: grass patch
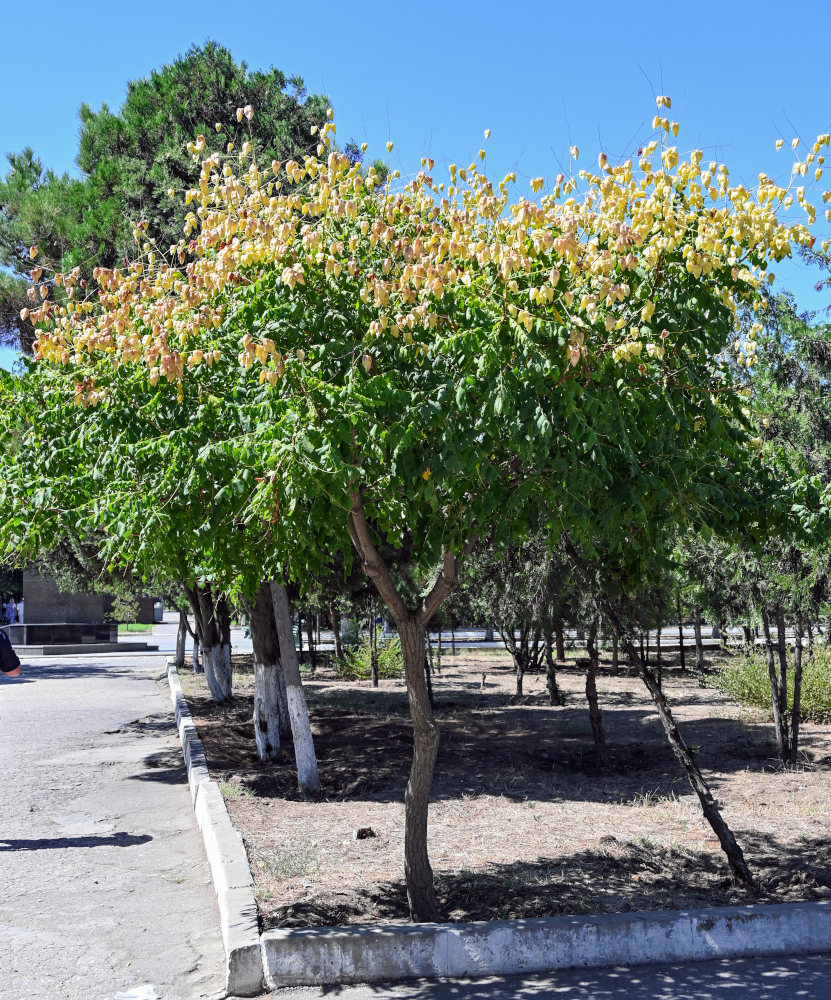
748,683
134,627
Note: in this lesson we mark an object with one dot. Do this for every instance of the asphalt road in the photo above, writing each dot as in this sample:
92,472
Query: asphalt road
103,878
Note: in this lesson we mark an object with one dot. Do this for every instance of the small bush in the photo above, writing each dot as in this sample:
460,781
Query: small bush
747,682
356,664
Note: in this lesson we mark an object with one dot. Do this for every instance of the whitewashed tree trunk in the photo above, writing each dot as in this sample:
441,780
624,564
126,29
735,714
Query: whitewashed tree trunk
216,655
266,675
304,748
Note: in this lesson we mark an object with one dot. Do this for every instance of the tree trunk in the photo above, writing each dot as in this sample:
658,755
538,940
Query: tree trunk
797,690
735,856
310,637
181,641
438,651
748,640
373,649
217,671
489,633
419,875
519,664
680,633
335,617
452,640
560,639
266,675
551,670
615,653
301,731
780,723
659,662
595,717
810,629
428,674
700,665
782,656
196,659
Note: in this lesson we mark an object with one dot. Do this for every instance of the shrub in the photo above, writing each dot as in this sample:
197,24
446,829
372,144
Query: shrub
747,681
356,665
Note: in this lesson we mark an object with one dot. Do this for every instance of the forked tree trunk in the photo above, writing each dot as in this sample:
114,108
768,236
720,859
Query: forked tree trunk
181,640
595,716
780,722
267,672
304,749
797,690
419,874
735,856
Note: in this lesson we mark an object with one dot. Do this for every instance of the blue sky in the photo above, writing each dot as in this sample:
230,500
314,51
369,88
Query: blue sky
433,76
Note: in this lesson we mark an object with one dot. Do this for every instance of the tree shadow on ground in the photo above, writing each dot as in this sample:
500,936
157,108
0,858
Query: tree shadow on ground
777,978
620,876
524,751
62,843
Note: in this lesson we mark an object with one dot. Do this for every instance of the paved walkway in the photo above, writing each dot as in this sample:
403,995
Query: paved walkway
797,978
103,879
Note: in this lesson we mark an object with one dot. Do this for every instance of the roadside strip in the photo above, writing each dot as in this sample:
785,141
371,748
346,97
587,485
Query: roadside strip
370,953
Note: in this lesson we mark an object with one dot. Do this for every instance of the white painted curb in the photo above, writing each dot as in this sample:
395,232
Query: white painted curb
372,953
299,957
230,872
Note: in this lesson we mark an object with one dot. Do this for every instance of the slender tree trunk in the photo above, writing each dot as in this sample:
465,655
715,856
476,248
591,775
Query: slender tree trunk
223,618
453,640
797,689
301,730
680,632
551,669
196,658
748,640
310,642
181,640
419,874
810,628
700,664
595,716
659,662
266,675
782,655
438,650
373,648
335,617
489,633
561,642
735,856
519,666
780,722
615,653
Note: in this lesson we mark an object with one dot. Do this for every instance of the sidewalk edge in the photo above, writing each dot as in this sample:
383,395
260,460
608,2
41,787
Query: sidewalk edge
230,872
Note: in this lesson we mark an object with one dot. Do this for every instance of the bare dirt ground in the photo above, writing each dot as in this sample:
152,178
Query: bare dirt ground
522,821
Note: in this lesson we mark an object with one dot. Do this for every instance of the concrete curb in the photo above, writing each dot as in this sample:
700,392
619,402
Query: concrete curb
230,872
295,957
372,953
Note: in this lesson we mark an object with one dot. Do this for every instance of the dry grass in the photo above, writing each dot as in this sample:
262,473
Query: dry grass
522,823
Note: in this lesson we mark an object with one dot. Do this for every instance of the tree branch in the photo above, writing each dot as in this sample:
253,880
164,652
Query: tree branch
373,562
446,580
